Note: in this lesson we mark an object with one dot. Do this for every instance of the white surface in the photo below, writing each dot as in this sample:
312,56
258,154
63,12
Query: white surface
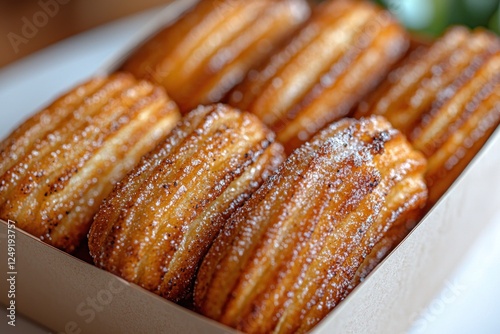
470,299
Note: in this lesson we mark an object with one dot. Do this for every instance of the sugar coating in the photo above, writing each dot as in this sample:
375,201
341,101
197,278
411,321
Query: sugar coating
159,221
211,48
443,98
324,71
58,166
292,252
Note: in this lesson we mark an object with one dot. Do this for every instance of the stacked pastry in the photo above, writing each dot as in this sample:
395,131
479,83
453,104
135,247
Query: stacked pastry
160,220
211,212
343,51
445,99
58,166
202,56
291,253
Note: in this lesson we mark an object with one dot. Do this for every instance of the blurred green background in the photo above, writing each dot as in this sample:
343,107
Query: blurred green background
431,17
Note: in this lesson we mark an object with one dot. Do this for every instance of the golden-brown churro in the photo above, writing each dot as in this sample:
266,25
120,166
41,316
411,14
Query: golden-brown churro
343,51
202,56
445,99
291,253
160,220
57,167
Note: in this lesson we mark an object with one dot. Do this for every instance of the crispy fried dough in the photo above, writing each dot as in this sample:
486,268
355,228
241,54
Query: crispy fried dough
57,167
202,56
343,51
291,253
445,99
160,220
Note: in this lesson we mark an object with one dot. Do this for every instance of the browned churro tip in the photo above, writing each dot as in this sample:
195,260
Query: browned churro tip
56,168
457,126
292,252
160,220
199,58
342,52
444,99
410,89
